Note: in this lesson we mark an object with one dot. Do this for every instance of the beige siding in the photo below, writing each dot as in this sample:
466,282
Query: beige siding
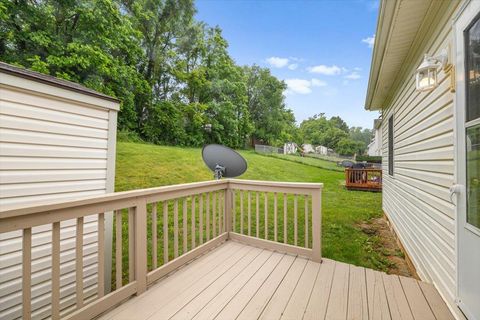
50,148
416,198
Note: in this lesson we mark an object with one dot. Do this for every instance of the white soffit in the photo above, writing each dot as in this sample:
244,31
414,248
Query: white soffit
398,24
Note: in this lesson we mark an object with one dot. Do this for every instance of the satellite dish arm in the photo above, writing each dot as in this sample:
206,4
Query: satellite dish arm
219,172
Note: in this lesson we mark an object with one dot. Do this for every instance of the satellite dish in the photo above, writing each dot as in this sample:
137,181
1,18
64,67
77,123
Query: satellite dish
223,161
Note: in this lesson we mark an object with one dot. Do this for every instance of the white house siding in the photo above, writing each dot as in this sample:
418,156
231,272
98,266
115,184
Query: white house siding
51,148
416,198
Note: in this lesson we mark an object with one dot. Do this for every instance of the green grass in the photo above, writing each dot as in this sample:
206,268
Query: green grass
311,161
143,165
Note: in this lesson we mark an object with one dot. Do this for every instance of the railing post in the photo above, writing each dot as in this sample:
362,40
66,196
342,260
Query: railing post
317,225
141,245
228,209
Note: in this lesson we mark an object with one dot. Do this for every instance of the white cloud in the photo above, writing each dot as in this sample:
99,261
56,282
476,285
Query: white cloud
318,83
303,86
300,86
325,70
353,76
293,66
277,62
369,41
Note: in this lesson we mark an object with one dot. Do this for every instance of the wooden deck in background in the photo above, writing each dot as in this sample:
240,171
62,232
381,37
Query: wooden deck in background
237,281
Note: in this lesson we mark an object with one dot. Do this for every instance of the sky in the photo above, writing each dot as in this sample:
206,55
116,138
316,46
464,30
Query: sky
321,49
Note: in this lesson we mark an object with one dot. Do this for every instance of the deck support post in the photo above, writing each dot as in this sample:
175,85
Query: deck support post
317,225
141,246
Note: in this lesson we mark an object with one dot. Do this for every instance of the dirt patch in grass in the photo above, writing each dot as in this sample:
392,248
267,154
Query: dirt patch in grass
387,246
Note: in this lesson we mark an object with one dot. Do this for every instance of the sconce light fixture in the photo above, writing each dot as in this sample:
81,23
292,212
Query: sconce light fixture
426,74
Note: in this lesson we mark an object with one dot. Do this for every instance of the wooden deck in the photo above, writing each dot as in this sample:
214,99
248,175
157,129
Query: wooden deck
367,179
237,281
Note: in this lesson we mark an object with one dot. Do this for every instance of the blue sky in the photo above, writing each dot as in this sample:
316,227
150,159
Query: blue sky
322,49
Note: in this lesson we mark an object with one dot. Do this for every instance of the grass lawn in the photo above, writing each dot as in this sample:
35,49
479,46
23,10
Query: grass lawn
311,161
144,165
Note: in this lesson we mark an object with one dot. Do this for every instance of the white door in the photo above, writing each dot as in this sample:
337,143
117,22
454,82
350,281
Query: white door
467,37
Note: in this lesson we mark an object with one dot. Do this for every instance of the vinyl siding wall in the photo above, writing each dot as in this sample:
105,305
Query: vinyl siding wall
51,148
416,198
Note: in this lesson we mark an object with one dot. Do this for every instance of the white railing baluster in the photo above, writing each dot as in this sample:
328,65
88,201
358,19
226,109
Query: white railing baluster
249,212
275,217
295,219
131,244
56,270
317,226
214,214
285,218
266,214
101,255
118,249
207,216
26,273
79,263
234,212
257,206
154,235
306,222
193,217
241,213
141,246
223,210
165,232
185,227
200,219
220,212
175,228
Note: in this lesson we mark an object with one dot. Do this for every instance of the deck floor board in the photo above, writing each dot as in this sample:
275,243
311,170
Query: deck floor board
237,281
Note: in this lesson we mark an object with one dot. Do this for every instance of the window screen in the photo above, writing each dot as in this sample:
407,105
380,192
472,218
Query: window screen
390,146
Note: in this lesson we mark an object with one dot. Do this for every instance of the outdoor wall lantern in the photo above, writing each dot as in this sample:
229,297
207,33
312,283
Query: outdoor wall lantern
426,74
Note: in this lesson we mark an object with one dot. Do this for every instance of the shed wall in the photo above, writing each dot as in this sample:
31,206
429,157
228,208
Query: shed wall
51,148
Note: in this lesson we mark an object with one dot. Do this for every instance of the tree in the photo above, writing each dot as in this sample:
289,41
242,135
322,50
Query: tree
349,147
90,42
173,74
273,122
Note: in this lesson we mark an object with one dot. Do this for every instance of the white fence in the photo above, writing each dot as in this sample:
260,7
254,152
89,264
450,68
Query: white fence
267,149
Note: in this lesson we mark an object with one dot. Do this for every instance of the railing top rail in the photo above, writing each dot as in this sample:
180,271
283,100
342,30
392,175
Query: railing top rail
46,206
19,210
299,185
363,169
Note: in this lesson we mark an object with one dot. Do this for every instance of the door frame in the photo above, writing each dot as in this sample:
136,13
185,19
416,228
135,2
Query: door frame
469,10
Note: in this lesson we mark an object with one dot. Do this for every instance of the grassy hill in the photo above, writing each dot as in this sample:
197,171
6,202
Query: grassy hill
144,165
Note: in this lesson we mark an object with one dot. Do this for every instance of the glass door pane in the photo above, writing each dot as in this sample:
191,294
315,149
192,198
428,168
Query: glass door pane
472,48
473,175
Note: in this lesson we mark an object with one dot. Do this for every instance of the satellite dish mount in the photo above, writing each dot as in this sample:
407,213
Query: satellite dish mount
223,161
219,172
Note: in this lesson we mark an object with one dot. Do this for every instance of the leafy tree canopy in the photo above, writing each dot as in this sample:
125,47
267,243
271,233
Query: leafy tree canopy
173,74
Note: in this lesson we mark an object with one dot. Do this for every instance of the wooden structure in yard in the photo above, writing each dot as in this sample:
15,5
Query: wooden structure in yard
243,248
57,142
367,179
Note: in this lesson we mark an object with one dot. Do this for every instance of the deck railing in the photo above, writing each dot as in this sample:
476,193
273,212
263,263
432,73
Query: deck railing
159,229
363,179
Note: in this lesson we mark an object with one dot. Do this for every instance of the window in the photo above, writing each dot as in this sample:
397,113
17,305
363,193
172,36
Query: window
472,61
472,125
390,146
